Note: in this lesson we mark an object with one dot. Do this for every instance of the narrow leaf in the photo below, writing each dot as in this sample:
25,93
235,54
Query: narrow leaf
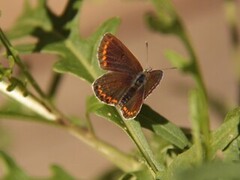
131,127
153,121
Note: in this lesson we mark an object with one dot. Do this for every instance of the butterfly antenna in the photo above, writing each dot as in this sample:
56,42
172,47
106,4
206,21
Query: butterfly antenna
168,68
146,43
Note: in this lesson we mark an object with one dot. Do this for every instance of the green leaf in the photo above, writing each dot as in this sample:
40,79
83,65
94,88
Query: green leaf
232,152
220,139
31,18
110,174
80,55
226,133
131,127
5,138
60,35
103,110
148,119
182,162
177,60
144,174
165,20
153,121
60,174
211,171
13,171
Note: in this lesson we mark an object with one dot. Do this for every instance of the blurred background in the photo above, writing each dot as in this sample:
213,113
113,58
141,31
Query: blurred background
36,146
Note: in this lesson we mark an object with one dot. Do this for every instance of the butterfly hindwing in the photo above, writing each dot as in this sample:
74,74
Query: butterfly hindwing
110,87
153,79
113,55
133,106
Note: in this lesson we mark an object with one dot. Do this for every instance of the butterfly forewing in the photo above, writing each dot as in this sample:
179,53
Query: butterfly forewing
153,79
133,106
111,86
113,55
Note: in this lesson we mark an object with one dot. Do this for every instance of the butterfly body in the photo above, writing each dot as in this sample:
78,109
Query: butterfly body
126,84
138,83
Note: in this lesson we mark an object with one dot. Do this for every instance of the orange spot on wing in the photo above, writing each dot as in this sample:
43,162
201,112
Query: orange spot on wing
105,46
127,113
108,99
114,101
104,52
104,58
103,95
104,63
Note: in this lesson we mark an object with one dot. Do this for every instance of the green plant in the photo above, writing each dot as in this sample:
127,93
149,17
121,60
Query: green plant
170,153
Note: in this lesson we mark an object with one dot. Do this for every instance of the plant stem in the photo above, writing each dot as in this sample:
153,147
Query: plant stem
133,129
231,8
55,82
46,109
30,101
11,51
125,162
194,63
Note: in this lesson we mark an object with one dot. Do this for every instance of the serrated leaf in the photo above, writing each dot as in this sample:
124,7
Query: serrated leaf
60,35
30,18
80,55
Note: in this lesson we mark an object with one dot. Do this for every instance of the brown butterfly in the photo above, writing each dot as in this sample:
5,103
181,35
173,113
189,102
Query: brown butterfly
126,84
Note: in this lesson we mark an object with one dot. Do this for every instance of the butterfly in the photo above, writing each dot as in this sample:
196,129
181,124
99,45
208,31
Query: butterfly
126,84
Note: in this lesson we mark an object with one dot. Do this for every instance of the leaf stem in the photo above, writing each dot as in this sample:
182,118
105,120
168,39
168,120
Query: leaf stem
55,82
193,63
231,8
125,162
30,101
12,52
133,129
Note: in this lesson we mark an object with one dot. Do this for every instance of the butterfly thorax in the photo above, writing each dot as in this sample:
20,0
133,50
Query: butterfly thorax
137,83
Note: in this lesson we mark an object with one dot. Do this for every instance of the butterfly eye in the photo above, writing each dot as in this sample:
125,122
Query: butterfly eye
140,80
